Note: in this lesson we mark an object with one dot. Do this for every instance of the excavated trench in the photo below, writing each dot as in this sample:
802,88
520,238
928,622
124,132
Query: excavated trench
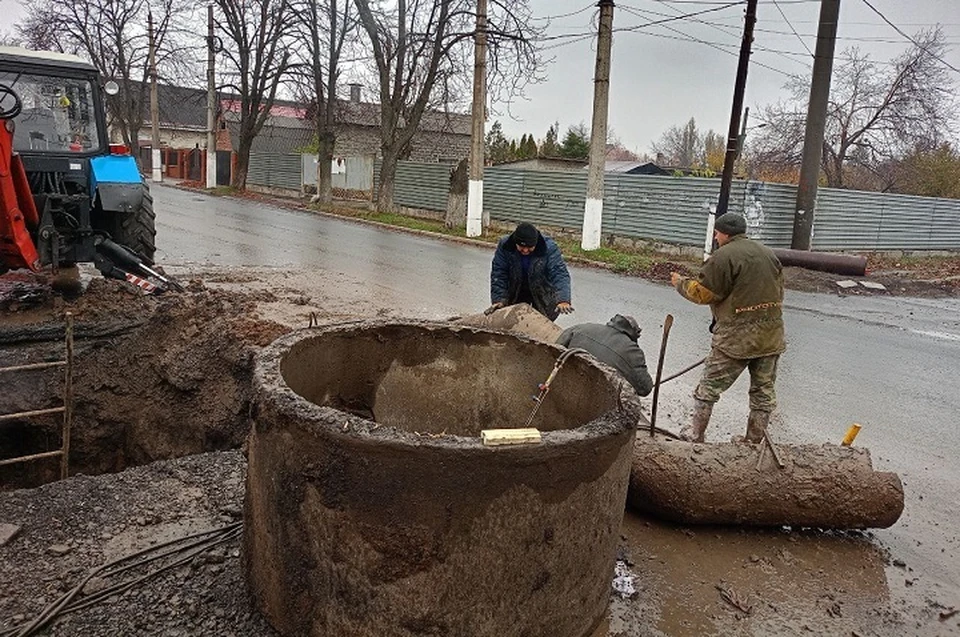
374,508
154,378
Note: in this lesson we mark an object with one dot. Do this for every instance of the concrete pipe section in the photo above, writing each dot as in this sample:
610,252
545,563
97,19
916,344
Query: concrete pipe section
373,507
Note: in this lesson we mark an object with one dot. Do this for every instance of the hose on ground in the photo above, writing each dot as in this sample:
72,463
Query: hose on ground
190,546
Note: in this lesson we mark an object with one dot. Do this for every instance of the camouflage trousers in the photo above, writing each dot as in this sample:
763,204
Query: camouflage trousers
720,371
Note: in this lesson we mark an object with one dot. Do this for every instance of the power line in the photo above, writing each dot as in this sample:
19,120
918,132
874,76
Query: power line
721,28
879,40
914,42
726,30
714,45
725,5
785,19
566,15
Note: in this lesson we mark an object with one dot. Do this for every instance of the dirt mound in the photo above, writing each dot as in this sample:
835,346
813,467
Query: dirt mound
155,376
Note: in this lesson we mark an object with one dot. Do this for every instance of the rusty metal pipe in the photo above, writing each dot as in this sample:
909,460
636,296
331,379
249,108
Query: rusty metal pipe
848,264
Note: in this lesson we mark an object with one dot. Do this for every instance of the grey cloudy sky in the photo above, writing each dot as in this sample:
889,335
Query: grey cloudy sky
661,76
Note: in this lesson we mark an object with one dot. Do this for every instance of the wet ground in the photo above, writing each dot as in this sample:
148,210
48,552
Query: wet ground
888,362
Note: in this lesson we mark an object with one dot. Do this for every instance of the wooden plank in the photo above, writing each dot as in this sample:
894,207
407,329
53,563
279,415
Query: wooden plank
521,436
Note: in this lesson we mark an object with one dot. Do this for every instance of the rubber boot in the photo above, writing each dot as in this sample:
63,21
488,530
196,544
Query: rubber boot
757,425
693,431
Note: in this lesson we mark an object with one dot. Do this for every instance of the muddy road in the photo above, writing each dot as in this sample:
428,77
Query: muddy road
889,363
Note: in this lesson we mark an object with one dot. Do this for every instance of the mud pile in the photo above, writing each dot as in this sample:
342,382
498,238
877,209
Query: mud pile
154,377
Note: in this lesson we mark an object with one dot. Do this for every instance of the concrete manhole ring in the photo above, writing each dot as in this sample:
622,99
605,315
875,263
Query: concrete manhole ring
373,508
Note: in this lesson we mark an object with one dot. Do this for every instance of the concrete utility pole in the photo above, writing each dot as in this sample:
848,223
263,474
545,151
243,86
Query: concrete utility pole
155,162
475,217
816,123
211,105
593,208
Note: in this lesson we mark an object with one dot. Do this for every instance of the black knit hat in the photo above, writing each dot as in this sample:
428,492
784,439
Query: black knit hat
730,223
526,235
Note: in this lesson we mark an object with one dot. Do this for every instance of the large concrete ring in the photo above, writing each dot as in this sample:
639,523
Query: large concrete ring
373,508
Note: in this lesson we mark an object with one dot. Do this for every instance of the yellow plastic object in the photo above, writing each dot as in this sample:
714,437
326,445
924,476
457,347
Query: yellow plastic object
851,435
497,437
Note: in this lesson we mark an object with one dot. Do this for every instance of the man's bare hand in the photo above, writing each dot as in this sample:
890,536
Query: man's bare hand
493,308
564,308
675,278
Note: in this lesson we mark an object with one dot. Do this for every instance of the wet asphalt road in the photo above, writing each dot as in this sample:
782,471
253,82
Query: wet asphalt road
891,364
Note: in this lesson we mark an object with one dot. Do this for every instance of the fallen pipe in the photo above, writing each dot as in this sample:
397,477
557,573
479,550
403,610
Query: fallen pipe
825,486
848,264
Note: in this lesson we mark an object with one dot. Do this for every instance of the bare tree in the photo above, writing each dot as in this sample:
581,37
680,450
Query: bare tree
422,62
877,113
258,58
112,34
323,27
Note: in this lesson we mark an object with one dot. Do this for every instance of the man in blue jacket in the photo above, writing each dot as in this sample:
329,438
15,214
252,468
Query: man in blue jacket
528,268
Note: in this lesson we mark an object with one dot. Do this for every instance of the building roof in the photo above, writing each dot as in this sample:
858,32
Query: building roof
561,162
355,113
180,107
631,167
288,127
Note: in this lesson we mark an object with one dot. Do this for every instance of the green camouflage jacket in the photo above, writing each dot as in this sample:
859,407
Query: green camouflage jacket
743,284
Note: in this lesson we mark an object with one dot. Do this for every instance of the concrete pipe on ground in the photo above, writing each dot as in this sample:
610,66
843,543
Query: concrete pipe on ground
373,508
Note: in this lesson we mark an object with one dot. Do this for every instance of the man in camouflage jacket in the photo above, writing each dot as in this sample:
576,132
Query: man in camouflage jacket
743,284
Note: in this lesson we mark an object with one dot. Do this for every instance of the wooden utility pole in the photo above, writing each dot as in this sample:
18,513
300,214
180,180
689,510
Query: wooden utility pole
733,133
155,162
593,208
816,123
211,105
476,220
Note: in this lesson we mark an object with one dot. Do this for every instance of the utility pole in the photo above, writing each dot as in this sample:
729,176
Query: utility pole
593,208
733,138
155,162
816,123
738,91
211,105
475,217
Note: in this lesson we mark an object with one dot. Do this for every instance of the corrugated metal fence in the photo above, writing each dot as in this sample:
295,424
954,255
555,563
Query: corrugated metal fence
273,170
351,173
674,209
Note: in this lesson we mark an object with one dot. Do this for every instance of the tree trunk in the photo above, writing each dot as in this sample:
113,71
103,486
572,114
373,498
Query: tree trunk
388,176
327,141
456,216
239,180
825,486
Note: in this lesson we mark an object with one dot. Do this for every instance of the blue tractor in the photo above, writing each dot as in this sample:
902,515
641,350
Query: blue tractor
67,195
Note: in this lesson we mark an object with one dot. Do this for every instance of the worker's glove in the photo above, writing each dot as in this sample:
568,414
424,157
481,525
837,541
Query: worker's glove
564,308
493,308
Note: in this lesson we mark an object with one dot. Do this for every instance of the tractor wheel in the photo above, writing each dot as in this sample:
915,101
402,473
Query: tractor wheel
138,230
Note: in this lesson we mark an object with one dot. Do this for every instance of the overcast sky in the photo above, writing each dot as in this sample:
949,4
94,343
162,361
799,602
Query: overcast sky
662,76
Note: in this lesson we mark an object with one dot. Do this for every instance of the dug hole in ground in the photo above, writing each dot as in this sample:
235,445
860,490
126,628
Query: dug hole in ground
160,416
